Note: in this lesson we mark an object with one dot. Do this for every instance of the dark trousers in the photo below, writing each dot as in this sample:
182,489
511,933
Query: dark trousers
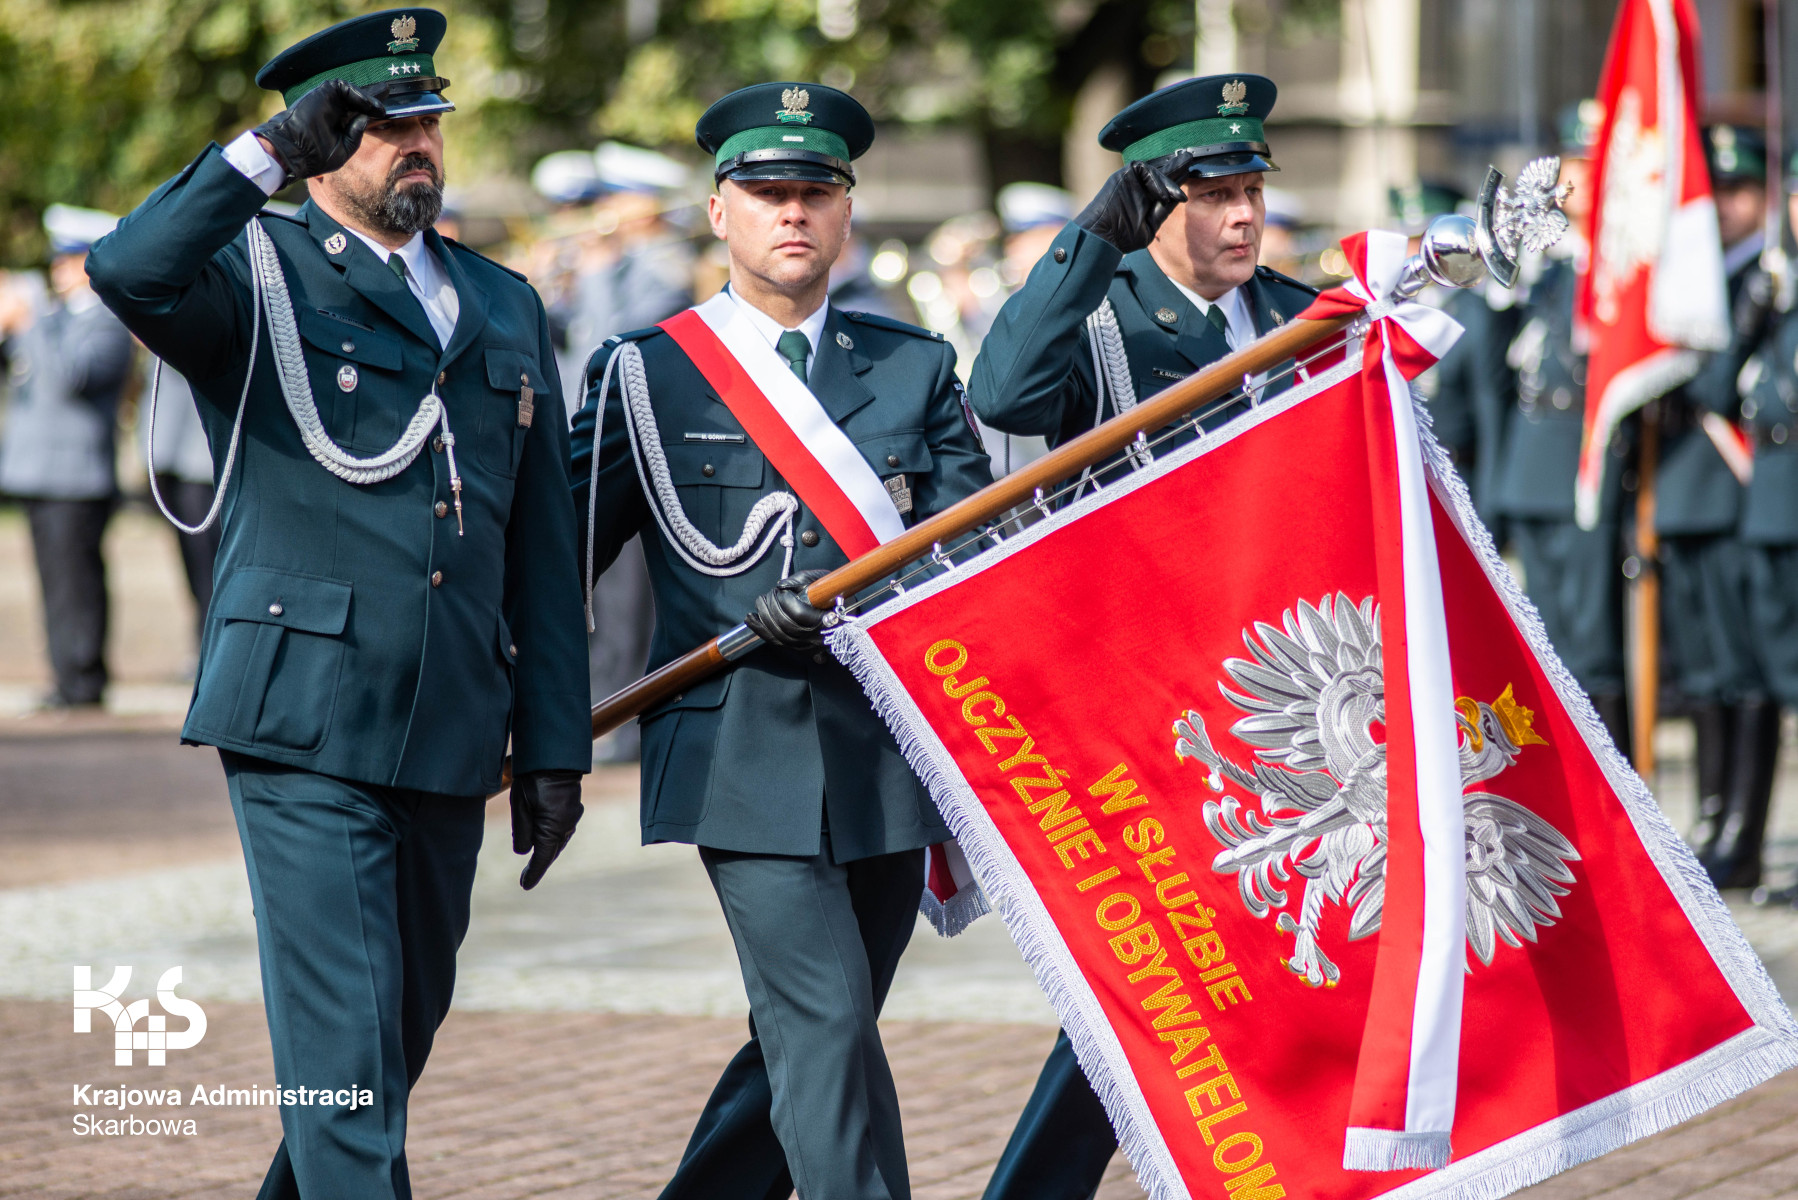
71,571
361,898
1705,620
1773,617
190,502
810,1099
1574,578
1063,1140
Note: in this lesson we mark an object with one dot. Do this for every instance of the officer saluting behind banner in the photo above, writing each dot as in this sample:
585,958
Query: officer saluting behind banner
1155,279
395,582
765,437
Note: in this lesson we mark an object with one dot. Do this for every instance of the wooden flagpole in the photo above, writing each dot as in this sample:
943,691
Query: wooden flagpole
1066,461
1645,599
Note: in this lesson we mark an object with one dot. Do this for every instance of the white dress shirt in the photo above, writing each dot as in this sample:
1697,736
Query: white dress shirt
425,275
812,327
1239,326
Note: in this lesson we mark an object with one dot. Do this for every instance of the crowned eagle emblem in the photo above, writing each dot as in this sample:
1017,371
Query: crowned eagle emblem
1314,691
793,103
1236,99
1633,209
405,30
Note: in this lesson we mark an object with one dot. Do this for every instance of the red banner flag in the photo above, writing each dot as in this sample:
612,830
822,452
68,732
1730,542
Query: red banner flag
1652,293
1183,730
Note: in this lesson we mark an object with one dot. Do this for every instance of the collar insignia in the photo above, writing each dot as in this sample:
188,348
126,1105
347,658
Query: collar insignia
336,244
404,41
845,342
1235,99
793,102
1166,316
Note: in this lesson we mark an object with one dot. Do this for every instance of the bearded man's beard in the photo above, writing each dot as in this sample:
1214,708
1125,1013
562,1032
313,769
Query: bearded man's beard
396,210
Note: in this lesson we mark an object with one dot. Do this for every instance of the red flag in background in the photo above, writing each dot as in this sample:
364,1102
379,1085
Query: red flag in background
1188,732
1653,294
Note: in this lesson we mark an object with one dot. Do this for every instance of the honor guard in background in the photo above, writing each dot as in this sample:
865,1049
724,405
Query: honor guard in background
1159,274
808,819
396,589
1763,397
1697,513
68,359
1469,388
1573,576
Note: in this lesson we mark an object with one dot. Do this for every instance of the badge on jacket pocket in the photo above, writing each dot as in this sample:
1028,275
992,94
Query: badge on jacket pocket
346,378
901,494
527,401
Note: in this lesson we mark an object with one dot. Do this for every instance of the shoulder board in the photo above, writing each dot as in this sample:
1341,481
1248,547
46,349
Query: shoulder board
635,335
1269,275
518,275
880,322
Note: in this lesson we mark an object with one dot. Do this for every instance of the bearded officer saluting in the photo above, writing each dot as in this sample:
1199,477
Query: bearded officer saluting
761,439
396,583
1156,278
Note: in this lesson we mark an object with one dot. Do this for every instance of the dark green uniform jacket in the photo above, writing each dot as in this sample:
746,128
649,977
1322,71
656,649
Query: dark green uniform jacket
1770,410
1035,370
1695,491
353,633
757,758
1539,461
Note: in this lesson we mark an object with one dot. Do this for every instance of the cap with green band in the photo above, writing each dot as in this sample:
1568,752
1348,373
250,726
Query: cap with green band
786,131
386,53
1217,120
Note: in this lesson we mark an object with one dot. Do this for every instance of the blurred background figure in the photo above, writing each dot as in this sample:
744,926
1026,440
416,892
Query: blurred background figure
1469,388
1704,564
69,359
1573,576
182,466
862,280
1280,245
618,258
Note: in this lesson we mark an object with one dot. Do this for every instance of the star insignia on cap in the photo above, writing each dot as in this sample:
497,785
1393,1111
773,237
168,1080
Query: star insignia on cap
336,244
1235,99
404,31
1235,128
793,103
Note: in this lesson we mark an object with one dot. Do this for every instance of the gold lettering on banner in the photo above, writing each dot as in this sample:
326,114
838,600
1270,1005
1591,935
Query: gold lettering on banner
1148,958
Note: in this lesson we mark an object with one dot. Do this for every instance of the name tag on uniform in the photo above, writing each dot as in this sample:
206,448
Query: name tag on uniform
527,401
901,494
734,439
1159,373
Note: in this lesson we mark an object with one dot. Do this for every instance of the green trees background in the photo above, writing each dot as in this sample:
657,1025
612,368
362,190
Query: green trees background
101,100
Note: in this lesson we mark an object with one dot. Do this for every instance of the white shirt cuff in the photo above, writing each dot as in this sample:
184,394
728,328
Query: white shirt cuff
256,164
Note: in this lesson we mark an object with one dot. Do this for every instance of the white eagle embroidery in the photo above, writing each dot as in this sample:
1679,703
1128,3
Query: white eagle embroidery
1314,692
1633,216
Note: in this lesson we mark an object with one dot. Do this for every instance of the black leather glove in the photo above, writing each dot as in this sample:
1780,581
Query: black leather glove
323,128
1134,202
784,617
546,806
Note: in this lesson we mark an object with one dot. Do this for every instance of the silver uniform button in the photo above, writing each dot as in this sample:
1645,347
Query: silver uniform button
349,347
275,609
512,649
346,378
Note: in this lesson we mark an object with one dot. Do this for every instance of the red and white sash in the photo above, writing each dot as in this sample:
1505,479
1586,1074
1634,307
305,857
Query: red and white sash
785,421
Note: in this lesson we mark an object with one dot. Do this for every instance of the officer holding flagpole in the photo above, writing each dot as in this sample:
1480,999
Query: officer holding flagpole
758,441
1156,278
395,590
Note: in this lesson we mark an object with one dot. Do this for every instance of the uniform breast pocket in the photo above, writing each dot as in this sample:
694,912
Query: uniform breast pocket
271,670
506,417
355,373
717,484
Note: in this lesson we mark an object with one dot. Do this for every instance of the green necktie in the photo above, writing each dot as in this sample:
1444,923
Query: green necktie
1214,314
398,265
793,347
